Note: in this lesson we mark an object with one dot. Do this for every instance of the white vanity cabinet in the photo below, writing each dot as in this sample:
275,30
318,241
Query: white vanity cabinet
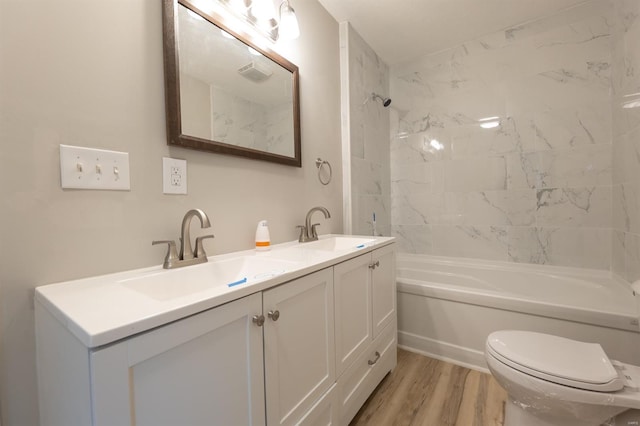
208,368
366,328
304,351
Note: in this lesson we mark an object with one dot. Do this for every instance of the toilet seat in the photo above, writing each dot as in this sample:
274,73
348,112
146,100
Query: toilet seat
556,359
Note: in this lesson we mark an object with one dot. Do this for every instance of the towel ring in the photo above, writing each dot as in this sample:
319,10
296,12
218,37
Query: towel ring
319,163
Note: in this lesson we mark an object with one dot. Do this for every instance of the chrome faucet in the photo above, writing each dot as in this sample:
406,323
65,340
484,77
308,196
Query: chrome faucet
187,256
308,231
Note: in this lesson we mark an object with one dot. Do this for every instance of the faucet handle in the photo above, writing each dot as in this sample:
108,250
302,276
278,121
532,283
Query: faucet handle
314,233
172,253
200,253
303,232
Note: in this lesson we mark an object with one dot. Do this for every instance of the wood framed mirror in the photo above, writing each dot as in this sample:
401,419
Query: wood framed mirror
224,94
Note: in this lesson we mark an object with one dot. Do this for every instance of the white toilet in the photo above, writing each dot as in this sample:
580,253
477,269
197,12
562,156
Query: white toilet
553,381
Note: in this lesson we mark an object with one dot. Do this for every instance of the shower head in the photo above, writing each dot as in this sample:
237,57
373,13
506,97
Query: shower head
385,101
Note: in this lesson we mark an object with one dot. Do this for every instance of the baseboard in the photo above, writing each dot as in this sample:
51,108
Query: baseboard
459,355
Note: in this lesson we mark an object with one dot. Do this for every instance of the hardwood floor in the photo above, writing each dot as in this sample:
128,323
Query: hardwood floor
425,391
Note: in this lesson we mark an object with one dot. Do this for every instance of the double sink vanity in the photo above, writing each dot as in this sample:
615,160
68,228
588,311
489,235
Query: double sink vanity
301,334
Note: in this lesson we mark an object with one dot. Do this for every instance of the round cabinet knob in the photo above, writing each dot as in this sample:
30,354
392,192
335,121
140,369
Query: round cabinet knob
274,315
258,320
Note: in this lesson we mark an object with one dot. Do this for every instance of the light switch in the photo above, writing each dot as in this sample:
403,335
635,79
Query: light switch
90,168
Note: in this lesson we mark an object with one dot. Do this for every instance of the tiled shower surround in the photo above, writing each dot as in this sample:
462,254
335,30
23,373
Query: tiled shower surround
537,187
626,139
368,135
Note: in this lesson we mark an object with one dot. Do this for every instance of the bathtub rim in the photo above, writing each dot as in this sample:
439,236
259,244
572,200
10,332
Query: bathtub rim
512,266
603,318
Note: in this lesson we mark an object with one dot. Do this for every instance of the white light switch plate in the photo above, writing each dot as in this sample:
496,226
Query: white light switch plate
90,168
174,176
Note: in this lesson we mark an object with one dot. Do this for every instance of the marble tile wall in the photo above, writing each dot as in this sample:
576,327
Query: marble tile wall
368,138
236,120
242,122
537,186
279,131
626,140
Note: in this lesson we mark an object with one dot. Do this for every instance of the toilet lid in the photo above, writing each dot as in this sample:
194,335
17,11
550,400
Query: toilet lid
556,359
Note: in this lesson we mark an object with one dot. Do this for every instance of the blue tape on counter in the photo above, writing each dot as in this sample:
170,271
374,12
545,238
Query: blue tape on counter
360,246
242,281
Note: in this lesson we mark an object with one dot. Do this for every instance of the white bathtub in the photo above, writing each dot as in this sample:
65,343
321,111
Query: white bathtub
447,306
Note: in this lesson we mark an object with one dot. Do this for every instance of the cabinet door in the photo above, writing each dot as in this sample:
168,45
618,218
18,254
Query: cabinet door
353,309
299,346
323,412
204,369
383,288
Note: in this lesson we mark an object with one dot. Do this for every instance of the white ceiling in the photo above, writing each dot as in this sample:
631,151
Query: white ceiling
405,29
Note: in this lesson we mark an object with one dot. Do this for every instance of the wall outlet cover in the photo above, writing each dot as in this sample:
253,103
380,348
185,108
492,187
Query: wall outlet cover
174,176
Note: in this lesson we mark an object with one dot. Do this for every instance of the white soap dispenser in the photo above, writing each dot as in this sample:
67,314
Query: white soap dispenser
263,241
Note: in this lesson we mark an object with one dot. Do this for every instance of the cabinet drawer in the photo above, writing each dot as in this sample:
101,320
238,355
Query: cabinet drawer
362,377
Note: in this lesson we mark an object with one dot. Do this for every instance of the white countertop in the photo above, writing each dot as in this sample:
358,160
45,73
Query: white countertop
103,309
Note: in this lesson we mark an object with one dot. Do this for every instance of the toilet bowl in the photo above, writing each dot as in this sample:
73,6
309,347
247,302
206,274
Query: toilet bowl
553,381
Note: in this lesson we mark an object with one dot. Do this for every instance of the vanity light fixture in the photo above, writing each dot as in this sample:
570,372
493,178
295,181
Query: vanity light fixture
262,16
263,9
288,26
287,23
238,5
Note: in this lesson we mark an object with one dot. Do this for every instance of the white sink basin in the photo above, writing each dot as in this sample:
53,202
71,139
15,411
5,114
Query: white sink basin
339,243
226,273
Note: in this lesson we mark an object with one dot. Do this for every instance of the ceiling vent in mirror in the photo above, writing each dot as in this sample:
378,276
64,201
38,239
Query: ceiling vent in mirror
255,71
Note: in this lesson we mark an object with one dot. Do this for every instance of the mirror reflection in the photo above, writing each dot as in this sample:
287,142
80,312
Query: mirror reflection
231,97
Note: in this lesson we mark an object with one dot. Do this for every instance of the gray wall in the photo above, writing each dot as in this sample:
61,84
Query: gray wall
89,73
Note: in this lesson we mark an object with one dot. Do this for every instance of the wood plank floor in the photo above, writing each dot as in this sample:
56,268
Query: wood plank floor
425,391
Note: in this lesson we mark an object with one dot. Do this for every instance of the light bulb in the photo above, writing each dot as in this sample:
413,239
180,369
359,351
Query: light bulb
238,5
263,9
289,29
